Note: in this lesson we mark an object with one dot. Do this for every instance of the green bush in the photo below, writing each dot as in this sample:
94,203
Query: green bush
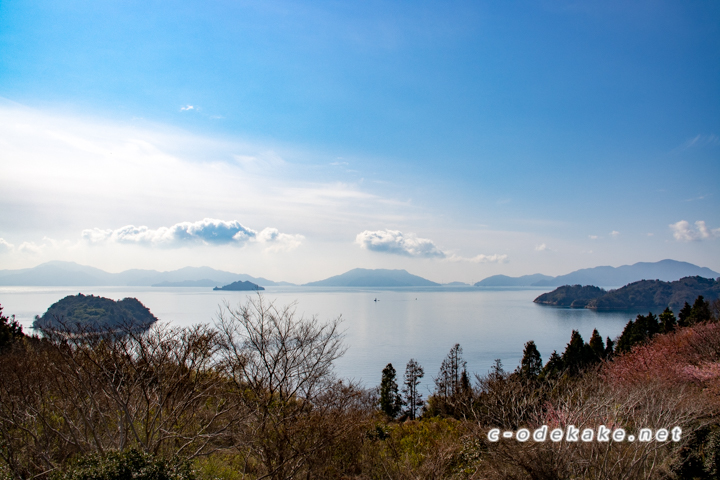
127,465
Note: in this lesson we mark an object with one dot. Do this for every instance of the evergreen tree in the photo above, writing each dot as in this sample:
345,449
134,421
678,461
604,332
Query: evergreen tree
577,354
597,346
553,368
667,320
390,401
700,312
10,329
448,380
411,397
609,345
684,315
531,363
496,371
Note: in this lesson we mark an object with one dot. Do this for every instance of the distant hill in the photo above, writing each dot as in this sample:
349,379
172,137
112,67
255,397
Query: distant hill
70,274
88,312
666,270
188,283
650,294
362,277
505,281
240,287
573,296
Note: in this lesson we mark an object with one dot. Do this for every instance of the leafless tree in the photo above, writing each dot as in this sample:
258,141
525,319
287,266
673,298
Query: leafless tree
284,366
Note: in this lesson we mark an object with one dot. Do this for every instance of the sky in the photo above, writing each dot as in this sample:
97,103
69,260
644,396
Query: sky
298,140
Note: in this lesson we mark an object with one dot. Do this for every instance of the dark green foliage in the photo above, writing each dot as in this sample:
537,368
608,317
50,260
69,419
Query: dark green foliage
10,330
577,354
574,296
240,286
127,465
88,312
667,320
698,313
553,368
390,401
531,363
412,399
684,315
701,458
451,392
609,348
642,329
650,294
597,346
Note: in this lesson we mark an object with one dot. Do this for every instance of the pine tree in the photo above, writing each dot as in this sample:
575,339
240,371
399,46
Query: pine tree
667,320
684,315
411,397
577,354
531,363
700,312
390,401
597,346
609,345
10,329
553,368
448,380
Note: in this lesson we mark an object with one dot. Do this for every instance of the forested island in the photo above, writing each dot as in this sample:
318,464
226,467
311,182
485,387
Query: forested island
91,313
645,294
240,286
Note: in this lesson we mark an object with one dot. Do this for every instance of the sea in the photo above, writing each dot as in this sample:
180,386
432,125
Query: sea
380,325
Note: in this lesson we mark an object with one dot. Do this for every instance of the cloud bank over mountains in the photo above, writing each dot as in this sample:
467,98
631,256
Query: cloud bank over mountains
410,245
208,231
683,232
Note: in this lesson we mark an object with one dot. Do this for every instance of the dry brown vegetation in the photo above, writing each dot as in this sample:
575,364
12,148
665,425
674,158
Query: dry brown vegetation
254,396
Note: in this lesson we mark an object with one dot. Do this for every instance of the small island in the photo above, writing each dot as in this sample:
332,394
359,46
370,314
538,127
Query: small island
650,294
240,286
90,313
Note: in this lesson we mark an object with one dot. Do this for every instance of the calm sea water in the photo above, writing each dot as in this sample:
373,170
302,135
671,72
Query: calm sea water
420,323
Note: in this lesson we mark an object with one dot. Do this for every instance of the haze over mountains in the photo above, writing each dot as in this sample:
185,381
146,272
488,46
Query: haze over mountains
363,277
666,270
68,274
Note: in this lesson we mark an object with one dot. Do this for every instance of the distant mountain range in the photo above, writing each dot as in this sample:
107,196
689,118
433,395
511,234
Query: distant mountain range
666,270
362,277
71,274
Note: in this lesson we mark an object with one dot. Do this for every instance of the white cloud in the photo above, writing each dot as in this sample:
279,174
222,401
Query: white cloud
593,237
5,246
186,108
495,258
208,231
683,232
614,234
30,247
410,245
279,242
394,241
541,248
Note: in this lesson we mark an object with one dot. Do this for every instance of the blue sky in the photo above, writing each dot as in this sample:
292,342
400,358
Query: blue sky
454,139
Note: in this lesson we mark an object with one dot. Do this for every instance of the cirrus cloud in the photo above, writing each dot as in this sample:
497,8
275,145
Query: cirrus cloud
208,231
683,232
